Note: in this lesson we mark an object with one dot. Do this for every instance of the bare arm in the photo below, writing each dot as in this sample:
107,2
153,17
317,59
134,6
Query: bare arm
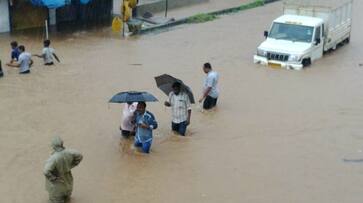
189,116
205,94
168,103
39,55
14,64
189,107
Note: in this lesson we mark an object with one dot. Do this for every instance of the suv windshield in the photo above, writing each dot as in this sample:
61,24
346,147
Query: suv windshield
291,32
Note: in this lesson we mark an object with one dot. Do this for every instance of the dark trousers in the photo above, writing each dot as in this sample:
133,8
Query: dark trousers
180,128
209,102
25,72
126,133
145,147
49,64
1,70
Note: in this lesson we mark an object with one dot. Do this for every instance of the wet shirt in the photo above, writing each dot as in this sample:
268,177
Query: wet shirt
212,81
15,54
145,134
180,104
48,54
24,61
127,117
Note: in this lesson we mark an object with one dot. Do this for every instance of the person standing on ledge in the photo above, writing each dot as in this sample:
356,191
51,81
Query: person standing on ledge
210,89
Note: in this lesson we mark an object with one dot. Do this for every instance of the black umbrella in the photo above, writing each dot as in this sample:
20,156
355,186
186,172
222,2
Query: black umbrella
133,96
165,83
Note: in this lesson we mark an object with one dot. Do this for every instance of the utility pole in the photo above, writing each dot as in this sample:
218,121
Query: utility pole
166,8
123,17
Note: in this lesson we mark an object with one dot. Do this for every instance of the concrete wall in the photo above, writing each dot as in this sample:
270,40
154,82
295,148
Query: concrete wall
4,16
155,6
159,5
116,7
52,17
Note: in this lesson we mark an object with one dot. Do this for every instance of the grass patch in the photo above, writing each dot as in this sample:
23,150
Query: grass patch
201,18
255,4
205,17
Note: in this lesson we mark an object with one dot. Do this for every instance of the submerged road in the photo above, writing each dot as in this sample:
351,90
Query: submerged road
277,135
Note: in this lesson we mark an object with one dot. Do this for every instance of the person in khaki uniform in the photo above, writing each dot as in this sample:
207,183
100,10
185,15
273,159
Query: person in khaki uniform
57,171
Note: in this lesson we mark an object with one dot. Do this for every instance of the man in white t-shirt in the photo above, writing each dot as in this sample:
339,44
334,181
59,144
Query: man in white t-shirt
210,89
47,54
24,62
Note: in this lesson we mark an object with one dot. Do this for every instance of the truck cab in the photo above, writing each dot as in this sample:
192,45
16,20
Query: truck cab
293,42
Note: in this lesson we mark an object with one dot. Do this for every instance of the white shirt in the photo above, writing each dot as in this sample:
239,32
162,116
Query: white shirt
180,104
48,54
127,117
212,81
24,61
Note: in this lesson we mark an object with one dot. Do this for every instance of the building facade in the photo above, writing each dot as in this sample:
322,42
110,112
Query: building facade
21,14
4,16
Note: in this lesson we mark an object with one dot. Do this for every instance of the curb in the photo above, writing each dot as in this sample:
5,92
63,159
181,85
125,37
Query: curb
185,20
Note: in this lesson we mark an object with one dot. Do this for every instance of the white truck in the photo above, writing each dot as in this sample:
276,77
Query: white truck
307,30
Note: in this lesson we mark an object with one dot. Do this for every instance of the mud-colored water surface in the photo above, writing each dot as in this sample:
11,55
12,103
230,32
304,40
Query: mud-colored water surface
277,135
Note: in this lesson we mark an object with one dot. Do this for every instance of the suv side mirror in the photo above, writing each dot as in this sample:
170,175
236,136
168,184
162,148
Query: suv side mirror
317,41
265,34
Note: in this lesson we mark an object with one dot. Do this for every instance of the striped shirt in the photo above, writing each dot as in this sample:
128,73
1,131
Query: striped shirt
180,104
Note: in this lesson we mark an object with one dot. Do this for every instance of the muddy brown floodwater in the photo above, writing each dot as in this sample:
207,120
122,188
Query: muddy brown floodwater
277,135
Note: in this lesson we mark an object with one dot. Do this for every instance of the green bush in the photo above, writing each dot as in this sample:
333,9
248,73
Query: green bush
205,17
257,3
201,18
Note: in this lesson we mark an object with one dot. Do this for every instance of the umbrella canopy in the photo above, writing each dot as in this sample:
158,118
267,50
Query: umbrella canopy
165,83
133,96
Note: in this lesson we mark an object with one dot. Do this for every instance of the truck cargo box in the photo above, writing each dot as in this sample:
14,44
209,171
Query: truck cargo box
337,16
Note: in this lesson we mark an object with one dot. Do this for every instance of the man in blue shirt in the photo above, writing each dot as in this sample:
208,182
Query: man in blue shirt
145,123
14,52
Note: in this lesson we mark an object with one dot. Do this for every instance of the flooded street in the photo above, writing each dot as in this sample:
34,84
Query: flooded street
277,135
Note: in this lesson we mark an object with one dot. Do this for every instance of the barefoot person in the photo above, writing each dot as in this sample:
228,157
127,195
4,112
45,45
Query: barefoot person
180,109
210,89
24,61
47,54
145,124
57,171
